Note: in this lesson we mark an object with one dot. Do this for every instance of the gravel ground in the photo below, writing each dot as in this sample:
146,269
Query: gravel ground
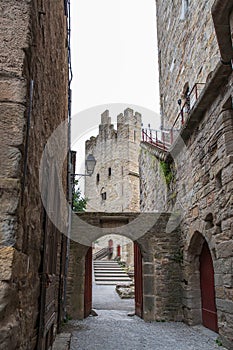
115,330
106,298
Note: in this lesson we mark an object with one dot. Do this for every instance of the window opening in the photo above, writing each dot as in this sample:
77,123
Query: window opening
104,196
184,9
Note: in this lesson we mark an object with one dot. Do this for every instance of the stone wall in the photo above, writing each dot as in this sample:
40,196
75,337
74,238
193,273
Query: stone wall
200,190
33,47
116,150
153,186
188,50
199,164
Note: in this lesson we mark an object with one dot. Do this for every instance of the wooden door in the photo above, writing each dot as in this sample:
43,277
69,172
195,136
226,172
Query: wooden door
209,311
138,281
88,283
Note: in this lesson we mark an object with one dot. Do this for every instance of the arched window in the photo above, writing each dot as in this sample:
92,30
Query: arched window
103,194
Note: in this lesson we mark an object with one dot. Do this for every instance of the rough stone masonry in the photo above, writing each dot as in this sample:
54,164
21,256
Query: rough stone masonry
33,102
197,181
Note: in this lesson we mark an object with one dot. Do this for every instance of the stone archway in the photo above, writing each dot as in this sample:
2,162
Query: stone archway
198,252
161,271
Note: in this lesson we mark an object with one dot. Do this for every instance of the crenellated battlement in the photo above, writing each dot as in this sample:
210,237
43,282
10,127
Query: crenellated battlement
128,128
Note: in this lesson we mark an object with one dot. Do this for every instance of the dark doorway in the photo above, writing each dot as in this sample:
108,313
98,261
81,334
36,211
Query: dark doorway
138,280
209,311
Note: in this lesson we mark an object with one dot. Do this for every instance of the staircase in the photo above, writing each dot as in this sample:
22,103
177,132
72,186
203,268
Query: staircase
109,273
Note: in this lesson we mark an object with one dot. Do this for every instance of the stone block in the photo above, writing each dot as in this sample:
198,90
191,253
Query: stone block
148,285
6,263
13,90
228,280
195,212
148,269
11,158
148,308
8,226
12,124
224,305
225,249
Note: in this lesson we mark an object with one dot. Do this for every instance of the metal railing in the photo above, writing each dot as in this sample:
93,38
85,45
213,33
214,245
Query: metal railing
163,139
159,138
185,110
101,254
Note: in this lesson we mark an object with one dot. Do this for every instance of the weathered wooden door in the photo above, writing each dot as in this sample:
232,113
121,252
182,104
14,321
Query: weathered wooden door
88,283
138,280
209,311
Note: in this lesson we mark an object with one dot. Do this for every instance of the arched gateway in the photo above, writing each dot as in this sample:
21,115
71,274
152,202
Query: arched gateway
157,269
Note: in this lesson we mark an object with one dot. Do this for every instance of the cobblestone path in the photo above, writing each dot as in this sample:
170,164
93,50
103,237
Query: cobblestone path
114,330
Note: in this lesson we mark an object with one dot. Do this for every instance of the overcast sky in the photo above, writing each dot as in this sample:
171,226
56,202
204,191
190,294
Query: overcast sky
114,59
114,53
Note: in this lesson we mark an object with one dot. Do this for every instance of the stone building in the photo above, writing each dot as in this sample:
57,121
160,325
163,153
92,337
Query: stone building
33,103
194,177
114,185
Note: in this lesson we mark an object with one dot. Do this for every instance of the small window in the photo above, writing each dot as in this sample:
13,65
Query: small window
134,135
109,172
219,179
104,196
184,9
97,178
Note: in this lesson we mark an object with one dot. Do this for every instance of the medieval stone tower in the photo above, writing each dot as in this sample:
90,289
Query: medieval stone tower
114,185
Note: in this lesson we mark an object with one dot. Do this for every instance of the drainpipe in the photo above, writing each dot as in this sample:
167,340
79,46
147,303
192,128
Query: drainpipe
221,11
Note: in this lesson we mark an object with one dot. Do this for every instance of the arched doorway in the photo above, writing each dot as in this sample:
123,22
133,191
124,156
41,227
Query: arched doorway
209,311
199,303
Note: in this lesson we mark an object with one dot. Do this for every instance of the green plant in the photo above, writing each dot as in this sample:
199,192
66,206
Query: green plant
166,169
178,257
79,203
218,341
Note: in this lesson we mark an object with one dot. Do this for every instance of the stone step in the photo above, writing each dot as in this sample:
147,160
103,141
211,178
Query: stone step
109,273
110,283
117,281
108,265
113,277
105,262
108,270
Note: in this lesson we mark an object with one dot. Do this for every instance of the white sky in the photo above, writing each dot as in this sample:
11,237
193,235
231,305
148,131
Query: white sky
114,60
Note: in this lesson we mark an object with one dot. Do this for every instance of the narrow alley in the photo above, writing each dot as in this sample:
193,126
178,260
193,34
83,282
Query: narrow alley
116,175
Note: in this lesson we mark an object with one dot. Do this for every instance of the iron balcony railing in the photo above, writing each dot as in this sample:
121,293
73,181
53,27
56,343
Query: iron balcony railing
164,139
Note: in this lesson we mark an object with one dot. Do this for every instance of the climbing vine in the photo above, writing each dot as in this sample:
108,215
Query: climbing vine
166,169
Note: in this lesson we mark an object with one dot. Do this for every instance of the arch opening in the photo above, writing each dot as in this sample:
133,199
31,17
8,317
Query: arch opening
113,276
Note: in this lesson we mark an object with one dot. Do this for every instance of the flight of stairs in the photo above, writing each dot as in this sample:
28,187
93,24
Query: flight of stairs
109,273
